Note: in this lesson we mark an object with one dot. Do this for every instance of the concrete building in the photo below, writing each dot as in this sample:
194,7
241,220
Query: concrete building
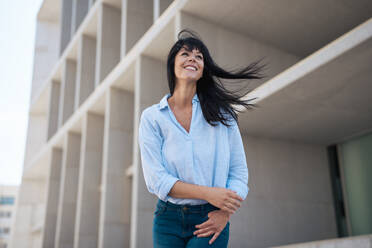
8,196
98,64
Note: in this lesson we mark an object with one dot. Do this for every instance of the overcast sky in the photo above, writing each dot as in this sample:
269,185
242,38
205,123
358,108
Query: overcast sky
17,37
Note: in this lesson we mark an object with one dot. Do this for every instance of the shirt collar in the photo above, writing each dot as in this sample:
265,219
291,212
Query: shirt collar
164,103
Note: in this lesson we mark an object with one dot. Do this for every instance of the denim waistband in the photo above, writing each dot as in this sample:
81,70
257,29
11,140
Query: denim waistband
202,207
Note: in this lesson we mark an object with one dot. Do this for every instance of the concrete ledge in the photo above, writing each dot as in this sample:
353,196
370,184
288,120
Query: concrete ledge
364,241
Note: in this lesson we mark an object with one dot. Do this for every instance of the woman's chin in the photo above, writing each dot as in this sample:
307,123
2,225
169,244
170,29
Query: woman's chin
190,78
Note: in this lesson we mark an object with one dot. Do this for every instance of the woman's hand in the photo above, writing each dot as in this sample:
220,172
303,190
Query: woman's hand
224,199
214,225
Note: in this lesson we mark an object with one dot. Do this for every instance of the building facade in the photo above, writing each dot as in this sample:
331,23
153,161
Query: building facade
8,196
99,64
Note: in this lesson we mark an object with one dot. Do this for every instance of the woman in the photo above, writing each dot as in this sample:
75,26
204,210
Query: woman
191,149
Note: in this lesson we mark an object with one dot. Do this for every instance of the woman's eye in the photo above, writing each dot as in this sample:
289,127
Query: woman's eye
184,54
199,57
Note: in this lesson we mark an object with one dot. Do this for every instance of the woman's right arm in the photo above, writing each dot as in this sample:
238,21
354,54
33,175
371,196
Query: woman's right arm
222,198
158,180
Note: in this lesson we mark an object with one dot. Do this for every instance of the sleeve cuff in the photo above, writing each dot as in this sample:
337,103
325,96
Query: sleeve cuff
166,186
240,188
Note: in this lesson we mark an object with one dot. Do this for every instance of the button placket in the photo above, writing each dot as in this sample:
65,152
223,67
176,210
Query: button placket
173,117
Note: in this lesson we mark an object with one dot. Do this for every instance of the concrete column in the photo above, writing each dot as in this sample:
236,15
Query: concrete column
46,53
66,104
30,212
137,18
87,211
53,107
114,226
86,63
79,11
68,191
160,6
164,4
36,135
53,188
91,3
108,41
150,86
66,17
156,10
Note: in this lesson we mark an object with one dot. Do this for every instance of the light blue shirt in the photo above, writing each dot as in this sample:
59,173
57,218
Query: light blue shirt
207,155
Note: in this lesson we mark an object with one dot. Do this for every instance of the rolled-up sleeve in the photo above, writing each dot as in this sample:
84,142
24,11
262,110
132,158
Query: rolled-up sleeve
157,178
238,170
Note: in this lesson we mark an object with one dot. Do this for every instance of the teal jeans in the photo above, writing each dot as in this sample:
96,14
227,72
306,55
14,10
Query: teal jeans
174,225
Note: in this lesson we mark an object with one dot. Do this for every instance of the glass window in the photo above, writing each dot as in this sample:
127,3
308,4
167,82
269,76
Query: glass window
6,214
6,200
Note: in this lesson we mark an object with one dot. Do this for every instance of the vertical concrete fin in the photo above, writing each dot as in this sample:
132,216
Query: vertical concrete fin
108,41
150,86
66,15
86,63
53,188
53,108
68,191
117,157
67,96
136,20
79,10
88,197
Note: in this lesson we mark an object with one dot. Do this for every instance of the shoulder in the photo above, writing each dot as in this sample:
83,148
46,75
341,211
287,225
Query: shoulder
229,119
150,113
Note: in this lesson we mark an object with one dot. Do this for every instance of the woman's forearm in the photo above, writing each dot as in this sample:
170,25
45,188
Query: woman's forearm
189,191
222,198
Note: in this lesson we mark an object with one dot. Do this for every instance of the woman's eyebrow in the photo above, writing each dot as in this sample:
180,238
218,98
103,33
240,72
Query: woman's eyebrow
184,48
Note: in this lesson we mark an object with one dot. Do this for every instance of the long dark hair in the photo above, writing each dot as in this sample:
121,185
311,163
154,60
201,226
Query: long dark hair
215,99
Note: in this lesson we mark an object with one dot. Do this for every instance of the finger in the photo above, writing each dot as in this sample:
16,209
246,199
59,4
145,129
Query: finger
207,234
231,207
215,236
204,224
204,230
228,210
235,203
236,196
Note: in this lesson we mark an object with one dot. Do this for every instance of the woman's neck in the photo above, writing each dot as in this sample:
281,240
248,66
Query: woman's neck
182,95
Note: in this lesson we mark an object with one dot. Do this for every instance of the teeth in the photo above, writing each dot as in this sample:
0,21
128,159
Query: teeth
190,67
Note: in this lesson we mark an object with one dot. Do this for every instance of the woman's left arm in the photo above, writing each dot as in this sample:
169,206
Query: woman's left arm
237,181
216,222
238,171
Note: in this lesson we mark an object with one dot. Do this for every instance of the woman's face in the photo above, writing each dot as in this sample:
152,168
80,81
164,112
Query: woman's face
188,65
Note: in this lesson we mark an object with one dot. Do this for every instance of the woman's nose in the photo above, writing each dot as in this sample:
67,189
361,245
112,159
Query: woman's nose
191,58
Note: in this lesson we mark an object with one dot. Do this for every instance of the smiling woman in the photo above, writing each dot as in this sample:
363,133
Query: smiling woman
192,152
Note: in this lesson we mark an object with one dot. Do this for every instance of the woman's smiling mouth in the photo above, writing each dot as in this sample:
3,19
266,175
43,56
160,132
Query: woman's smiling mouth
191,68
